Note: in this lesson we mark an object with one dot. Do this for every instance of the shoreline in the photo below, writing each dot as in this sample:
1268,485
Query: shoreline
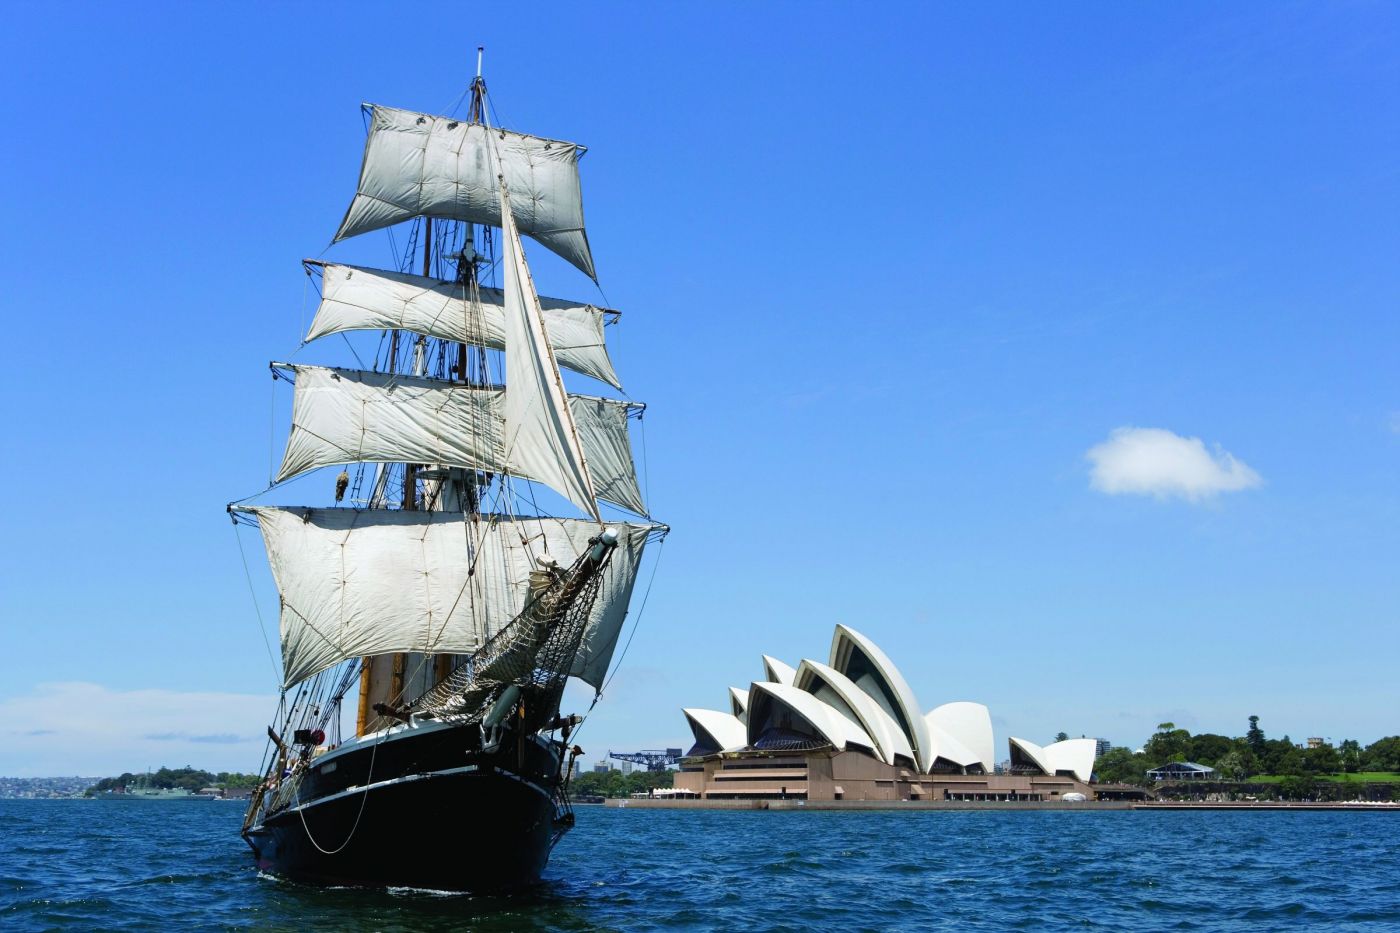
1091,805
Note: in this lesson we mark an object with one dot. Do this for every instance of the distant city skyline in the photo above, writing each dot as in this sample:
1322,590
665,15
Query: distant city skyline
1051,348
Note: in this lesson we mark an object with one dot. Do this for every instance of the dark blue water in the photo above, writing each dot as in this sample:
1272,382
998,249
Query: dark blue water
99,865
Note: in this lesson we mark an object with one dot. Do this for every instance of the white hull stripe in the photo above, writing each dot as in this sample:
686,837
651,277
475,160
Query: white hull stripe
407,778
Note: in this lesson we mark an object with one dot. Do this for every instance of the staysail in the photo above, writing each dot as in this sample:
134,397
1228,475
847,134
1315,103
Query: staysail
357,298
347,415
541,439
364,582
416,164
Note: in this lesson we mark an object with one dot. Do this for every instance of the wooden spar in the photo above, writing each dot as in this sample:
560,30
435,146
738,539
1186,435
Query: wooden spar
396,679
410,470
478,92
362,712
427,247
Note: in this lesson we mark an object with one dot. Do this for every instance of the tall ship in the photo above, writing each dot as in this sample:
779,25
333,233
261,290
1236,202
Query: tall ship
440,602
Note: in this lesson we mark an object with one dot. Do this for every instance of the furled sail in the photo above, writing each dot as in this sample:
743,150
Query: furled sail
440,167
356,298
541,439
355,583
346,415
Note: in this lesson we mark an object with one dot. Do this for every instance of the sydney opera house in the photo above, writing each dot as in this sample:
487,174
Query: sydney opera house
851,729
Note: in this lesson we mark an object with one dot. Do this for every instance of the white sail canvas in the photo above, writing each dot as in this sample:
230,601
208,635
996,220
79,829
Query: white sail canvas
346,415
356,298
417,164
355,583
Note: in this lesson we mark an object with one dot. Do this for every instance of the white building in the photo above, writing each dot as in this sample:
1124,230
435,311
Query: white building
851,728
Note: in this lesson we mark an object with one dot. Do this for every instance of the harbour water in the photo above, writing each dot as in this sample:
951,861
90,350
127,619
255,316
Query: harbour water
73,864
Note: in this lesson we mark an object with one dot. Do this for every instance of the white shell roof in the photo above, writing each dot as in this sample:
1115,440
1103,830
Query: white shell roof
1073,755
903,697
872,712
777,672
724,728
830,724
962,733
878,724
738,702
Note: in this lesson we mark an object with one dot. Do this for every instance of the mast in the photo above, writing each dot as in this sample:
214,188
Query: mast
538,429
467,273
443,664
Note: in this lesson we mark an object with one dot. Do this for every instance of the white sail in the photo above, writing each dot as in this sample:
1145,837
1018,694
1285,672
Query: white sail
440,167
356,298
355,583
346,415
541,438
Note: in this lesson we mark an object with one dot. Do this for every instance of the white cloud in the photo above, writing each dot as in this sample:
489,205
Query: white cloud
1156,462
87,729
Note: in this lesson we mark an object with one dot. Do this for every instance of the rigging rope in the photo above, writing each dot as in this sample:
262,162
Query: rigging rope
364,798
252,592
641,610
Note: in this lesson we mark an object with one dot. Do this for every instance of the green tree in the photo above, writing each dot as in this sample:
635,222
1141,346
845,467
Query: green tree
1322,760
1277,754
1168,744
1233,765
1121,766
1382,755
1061,736
1289,761
641,782
1255,737
1208,748
1350,752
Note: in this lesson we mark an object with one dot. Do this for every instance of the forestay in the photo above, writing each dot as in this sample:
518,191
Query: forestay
355,583
440,167
346,415
356,298
540,436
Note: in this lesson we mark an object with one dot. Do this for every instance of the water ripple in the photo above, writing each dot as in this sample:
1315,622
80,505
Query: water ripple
85,865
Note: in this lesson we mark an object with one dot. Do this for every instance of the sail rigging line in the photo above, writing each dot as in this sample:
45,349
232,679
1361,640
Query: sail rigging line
490,104
641,611
646,468
304,286
307,622
364,798
452,111
346,337
272,434
257,609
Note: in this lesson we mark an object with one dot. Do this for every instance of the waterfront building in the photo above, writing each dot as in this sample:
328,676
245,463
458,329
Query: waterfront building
851,729
1101,747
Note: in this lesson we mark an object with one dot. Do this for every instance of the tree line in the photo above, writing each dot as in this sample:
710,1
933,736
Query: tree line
617,784
1243,757
187,778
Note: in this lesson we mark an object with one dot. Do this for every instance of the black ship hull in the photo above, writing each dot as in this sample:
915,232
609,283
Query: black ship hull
429,809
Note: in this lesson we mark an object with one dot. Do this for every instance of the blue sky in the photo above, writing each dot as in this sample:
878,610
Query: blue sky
888,277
